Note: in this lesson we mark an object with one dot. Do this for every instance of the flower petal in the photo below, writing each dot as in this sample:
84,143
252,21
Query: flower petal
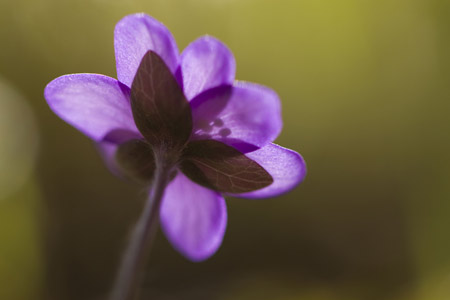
246,113
287,168
194,218
107,151
206,63
136,34
94,104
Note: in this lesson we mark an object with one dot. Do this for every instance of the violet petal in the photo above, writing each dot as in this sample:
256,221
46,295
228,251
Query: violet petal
136,34
107,151
193,218
287,168
94,104
206,63
246,113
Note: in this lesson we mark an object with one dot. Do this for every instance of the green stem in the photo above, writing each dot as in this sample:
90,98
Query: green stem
137,253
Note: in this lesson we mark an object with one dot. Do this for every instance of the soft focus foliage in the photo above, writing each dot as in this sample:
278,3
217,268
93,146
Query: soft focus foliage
364,88
19,140
21,264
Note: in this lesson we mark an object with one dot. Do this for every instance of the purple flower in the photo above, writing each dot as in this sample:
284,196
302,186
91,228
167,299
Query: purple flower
217,131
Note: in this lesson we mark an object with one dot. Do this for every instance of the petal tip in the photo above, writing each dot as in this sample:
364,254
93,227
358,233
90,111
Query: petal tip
88,101
135,34
287,167
193,218
206,63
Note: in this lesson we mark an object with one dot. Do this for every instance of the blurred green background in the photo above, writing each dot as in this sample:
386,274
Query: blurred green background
365,89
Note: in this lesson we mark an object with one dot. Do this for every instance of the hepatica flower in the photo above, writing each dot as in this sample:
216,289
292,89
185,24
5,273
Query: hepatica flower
185,119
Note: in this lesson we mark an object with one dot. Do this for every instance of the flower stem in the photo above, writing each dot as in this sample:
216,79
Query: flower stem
137,253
